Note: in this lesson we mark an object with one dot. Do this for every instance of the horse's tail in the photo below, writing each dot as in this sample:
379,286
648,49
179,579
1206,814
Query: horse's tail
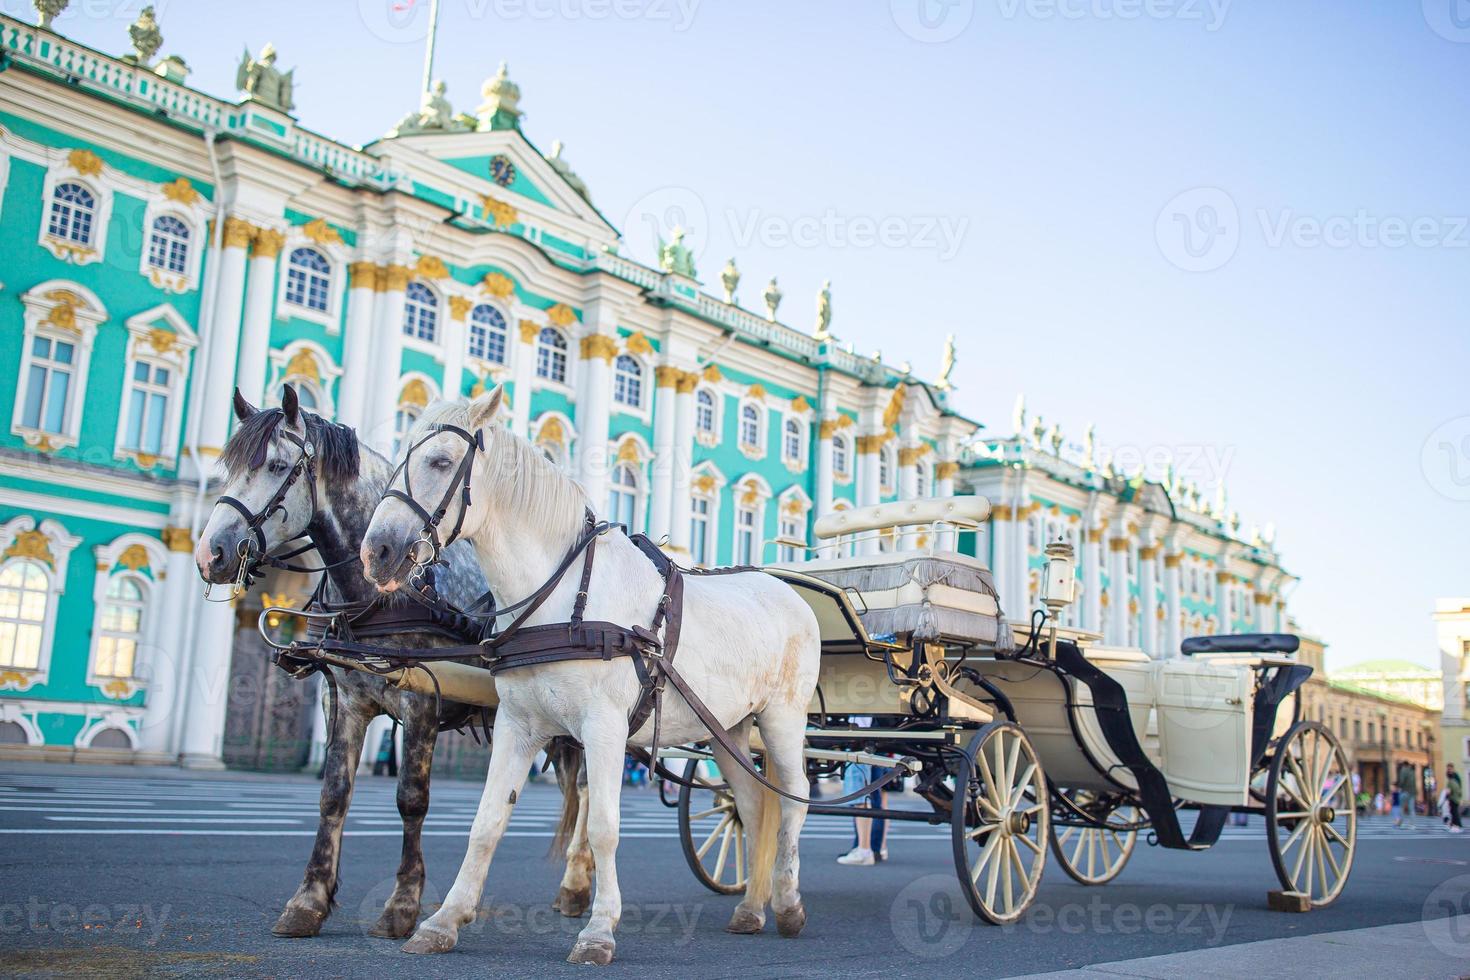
567,758
763,853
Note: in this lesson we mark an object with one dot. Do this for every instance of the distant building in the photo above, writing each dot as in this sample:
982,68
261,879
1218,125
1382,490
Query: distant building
1452,623
1397,678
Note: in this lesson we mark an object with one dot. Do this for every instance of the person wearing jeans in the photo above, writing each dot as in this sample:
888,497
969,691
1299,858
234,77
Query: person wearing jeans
869,842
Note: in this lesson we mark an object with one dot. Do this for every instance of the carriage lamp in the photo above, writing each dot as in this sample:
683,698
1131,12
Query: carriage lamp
1059,582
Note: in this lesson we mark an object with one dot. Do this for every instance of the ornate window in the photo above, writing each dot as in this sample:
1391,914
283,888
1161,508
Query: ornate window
704,412
403,421
792,442
150,417
61,320
921,480
24,595
622,495
699,525
551,355
308,280
487,334
746,533
73,214
704,515
750,428
841,457
885,467
149,389
120,627
420,313
751,494
168,245
49,384
628,381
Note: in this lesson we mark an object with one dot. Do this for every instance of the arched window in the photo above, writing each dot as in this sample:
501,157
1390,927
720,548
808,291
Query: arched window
622,495
551,355
23,597
745,535
420,312
791,441
487,334
704,411
148,394
750,426
403,421
701,522
921,480
120,628
73,214
168,244
841,456
308,279
628,381
885,467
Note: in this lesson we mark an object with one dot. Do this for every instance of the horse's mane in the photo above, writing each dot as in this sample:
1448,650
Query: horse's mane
523,479
335,444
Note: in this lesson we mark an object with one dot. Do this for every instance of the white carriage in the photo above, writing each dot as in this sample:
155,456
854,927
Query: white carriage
1024,737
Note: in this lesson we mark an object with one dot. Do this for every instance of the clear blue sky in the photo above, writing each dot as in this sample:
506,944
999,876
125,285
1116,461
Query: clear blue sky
1298,315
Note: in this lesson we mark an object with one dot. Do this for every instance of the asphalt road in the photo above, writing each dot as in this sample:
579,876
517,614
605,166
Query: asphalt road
119,872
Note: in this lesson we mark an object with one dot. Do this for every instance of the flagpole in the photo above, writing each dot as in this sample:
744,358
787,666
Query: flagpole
429,54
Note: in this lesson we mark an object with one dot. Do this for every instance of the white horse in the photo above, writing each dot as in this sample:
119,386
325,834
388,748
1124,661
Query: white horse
749,650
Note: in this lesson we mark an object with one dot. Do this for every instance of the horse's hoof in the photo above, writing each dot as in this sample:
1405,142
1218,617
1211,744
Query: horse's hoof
395,923
429,941
298,923
745,922
572,904
595,952
790,922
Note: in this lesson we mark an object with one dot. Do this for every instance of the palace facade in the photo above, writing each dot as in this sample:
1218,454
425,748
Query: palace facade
164,246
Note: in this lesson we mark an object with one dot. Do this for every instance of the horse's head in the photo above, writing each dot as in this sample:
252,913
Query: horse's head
424,509
270,492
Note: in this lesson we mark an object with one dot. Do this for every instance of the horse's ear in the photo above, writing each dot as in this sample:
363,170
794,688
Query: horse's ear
243,409
485,409
290,404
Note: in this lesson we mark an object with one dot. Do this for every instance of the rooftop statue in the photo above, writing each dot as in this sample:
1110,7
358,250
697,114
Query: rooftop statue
263,82
824,311
560,165
434,115
47,11
772,297
675,256
1089,445
946,365
146,37
730,279
1018,415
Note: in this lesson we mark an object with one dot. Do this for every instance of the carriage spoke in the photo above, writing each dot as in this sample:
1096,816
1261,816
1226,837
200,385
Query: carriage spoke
991,877
1020,866
1066,835
1019,789
1035,847
1011,769
1010,894
988,778
710,840
706,814
1114,835
985,856
1077,852
1331,831
719,871
1331,858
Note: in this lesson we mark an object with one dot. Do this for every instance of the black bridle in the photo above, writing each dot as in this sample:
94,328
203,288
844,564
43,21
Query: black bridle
459,483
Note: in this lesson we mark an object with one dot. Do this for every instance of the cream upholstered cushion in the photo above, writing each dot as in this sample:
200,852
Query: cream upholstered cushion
962,511
933,597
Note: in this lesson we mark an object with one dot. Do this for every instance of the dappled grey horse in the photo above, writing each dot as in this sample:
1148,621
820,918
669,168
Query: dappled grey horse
290,473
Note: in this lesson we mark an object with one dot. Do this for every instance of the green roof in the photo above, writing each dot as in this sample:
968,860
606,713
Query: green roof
1387,666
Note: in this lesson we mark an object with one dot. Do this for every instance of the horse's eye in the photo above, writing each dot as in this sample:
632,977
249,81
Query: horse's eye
439,463
277,467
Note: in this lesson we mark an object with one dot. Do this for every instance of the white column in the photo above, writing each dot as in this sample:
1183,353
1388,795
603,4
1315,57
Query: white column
870,491
682,451
1262,619
255,333
944,473
165,657
593,416
1002,526
1223,585
454,347
1021,554
1092,559
205,688
822,489
1117,631
1149,606
522,368
1172,637
212,400
357,345
665,395
387,360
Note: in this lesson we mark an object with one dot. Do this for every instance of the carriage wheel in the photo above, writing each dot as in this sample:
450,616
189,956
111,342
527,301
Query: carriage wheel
1094,855
712,835
999,823
1311,820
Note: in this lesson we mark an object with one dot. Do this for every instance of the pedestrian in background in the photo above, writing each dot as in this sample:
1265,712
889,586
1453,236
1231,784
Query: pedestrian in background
1456,792
1408,796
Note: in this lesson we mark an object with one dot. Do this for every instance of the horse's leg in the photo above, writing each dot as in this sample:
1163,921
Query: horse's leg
750,915
511,752
783,732
312,903
420,730
604,760
575,893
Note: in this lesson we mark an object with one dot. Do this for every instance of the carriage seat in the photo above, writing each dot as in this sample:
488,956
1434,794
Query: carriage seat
1241,643
921,596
